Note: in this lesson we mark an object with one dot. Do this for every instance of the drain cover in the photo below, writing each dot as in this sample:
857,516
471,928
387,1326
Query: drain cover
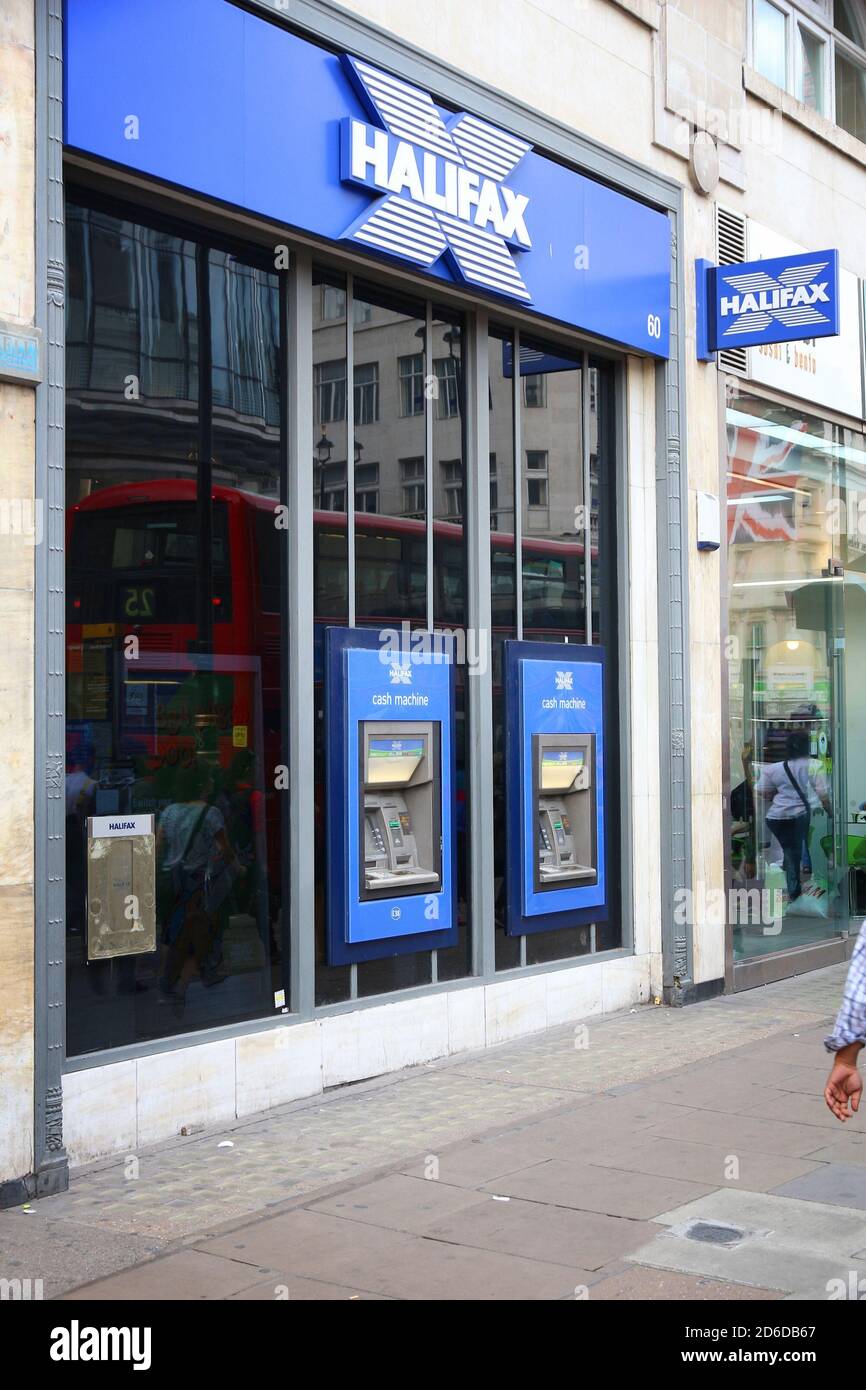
713,1233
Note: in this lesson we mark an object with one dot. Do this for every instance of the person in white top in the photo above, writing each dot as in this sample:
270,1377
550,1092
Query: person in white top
793,788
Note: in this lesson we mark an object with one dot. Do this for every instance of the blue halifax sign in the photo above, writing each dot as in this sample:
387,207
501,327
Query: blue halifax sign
207,97
779,300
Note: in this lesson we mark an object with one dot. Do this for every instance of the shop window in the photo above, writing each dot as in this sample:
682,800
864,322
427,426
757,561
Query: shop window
172,555
544,597
796,642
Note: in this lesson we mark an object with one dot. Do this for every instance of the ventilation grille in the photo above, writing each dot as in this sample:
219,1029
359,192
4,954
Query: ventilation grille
731,248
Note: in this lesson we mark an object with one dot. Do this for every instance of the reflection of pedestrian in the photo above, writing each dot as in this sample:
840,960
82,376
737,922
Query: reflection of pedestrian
794,787
193,852
80,794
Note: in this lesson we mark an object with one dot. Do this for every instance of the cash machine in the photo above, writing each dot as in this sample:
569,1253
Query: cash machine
556,859
565,850
390,794
401,808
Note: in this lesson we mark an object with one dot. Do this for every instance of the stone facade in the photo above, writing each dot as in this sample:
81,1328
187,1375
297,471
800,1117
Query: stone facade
19,530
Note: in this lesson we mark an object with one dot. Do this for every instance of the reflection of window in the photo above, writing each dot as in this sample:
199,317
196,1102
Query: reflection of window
448,403
412,384
452,482
333,494
334,305
536,478
333,302
535,391
366,393
414,489
330,383
366,487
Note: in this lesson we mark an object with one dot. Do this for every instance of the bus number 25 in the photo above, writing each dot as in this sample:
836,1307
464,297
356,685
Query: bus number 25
139,603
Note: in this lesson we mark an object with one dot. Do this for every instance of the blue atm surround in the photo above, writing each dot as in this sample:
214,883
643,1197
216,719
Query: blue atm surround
366,681
550,689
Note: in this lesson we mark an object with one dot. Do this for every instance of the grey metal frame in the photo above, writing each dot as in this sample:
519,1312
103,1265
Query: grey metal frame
49,1156
329,23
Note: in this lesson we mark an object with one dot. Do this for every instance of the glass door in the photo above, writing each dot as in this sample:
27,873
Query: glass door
788,884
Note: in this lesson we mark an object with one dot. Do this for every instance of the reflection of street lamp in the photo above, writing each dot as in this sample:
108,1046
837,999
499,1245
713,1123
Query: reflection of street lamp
359,449
324,449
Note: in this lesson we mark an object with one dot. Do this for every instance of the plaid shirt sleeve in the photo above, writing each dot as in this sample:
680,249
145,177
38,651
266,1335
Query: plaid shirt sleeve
850,1025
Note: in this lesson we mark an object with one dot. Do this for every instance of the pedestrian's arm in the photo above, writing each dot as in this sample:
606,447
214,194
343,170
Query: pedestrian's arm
845,1085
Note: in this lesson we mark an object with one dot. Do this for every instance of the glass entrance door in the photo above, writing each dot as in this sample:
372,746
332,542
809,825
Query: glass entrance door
787,649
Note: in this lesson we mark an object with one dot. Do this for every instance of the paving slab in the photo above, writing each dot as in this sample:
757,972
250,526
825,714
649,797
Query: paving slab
703,1163
758,1265
787,1222
709,1090
810,1110
330,1196
738,1133
560,1235
64,1253
291,1289
589,1188
399,1203
846,1147
187,1275
352,1254
840,1184
643,1282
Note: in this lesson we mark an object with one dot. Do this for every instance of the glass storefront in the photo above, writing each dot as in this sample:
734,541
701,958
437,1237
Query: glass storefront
174,614
551,415
796,655
177,575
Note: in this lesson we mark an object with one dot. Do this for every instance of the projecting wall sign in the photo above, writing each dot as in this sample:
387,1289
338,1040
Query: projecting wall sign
778,300
346,151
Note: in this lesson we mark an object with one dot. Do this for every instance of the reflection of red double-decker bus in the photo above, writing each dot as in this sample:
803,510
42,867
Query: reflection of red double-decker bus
202,680
135,569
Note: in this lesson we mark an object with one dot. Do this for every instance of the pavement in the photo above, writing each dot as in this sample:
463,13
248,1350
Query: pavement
652,1154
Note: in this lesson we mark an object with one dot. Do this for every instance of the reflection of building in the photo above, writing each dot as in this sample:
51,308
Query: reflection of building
390,384
134,383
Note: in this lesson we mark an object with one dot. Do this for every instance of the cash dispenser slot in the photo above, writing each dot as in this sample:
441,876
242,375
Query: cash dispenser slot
400,773
565,819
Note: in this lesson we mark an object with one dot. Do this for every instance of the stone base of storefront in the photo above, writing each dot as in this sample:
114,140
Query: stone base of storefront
127,1105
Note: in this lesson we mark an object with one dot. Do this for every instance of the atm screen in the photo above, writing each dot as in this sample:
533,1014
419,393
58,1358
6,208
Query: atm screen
559,767
391,762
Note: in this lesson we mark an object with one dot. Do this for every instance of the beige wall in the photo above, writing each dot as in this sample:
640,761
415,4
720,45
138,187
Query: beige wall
17,453
627,72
